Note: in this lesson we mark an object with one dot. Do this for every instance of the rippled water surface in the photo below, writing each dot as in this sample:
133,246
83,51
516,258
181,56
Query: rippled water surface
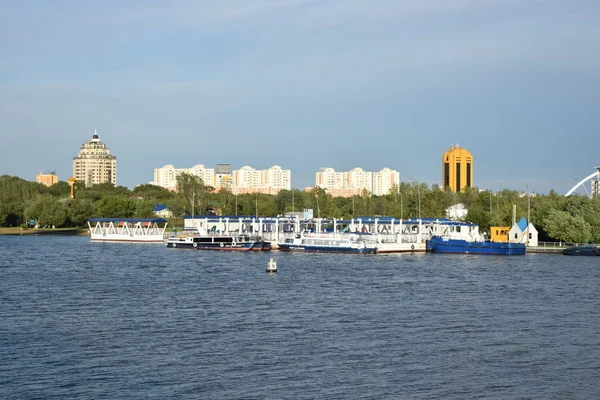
140,321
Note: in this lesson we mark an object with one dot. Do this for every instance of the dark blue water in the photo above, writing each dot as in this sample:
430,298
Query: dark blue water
132,321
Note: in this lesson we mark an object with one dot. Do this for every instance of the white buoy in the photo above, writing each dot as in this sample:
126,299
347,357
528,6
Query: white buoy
272,266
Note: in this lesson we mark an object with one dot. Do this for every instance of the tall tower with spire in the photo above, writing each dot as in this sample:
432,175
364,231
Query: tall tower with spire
94,164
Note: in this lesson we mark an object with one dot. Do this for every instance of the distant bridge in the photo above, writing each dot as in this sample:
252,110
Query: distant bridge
583,181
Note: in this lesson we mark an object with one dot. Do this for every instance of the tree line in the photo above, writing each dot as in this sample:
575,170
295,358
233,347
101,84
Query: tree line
573,219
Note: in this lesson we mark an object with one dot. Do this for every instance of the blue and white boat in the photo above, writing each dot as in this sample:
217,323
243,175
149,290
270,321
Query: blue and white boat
464,238
582,250
194,239
328,243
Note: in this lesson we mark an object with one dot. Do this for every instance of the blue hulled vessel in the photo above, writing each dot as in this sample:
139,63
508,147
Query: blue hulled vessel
328,243
464,238
582,250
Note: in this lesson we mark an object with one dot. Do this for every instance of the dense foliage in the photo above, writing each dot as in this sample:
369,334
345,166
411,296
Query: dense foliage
571,219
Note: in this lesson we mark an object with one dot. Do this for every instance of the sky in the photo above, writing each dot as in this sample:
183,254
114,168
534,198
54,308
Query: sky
305,84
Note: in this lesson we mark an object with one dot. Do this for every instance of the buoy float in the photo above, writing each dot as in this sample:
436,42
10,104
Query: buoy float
272,266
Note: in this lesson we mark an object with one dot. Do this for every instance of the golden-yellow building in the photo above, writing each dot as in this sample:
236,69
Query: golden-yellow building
457,169
46,179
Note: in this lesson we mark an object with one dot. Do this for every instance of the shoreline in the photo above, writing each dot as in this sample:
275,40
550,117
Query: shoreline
59,231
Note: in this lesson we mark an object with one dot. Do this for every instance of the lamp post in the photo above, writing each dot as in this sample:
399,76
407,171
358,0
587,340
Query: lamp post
318,210
418,197
256,202
236,204
193,209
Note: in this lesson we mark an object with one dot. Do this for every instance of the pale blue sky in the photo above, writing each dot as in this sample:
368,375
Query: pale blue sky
305,84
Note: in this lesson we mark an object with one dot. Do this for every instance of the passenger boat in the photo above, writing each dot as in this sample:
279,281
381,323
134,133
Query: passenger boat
582,250
464,238
194,239
139,230
328,243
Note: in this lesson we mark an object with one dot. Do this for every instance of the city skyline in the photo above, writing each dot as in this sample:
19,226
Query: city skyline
305,85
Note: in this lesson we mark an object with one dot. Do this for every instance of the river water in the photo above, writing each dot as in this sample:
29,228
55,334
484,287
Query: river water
81,320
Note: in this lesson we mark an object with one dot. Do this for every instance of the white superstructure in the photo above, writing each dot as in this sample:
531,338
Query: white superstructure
139,230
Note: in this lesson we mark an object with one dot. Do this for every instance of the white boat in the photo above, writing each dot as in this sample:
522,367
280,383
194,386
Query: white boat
139,230
328,243
200,239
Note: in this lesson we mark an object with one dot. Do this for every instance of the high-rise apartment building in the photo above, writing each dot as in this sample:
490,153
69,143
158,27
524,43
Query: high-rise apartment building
596,184
223,177
384,181
95,164
457,169
269,181
356,181
46,179
328,178
167,176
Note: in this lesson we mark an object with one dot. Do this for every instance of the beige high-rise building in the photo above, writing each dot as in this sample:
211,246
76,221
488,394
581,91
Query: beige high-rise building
269,181
385,180
167,175
357,181
46,179
95,164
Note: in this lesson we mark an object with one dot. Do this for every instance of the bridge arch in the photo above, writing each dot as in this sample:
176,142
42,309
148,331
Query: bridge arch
583,181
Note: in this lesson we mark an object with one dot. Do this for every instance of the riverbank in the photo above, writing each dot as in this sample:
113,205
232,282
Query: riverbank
57,231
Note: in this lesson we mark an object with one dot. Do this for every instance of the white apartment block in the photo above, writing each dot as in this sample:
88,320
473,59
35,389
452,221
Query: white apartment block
277,178
269,181
328,178
167,175
356,181
384,181
94,164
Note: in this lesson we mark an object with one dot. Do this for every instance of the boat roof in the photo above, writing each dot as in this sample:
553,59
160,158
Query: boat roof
133,220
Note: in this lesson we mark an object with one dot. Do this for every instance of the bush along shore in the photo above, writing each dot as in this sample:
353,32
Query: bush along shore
48,231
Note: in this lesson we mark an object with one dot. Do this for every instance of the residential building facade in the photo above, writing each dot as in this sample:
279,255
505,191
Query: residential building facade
385,180
167,176
357,181
94,164
269,181
46,179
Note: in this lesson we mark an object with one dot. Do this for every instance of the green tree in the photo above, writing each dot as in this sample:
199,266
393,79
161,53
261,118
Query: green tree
562,225
80,211
113,206
153,192
145,209
60,189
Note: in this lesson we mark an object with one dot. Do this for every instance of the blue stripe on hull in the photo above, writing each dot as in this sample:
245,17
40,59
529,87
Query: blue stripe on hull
217,246
325,249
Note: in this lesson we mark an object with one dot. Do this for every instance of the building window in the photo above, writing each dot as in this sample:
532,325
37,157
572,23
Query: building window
469,175
458,187
446,175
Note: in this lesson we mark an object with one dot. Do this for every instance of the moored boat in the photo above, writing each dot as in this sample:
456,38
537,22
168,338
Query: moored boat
194,239
328,243
464,238
582,250
139,230
439,244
